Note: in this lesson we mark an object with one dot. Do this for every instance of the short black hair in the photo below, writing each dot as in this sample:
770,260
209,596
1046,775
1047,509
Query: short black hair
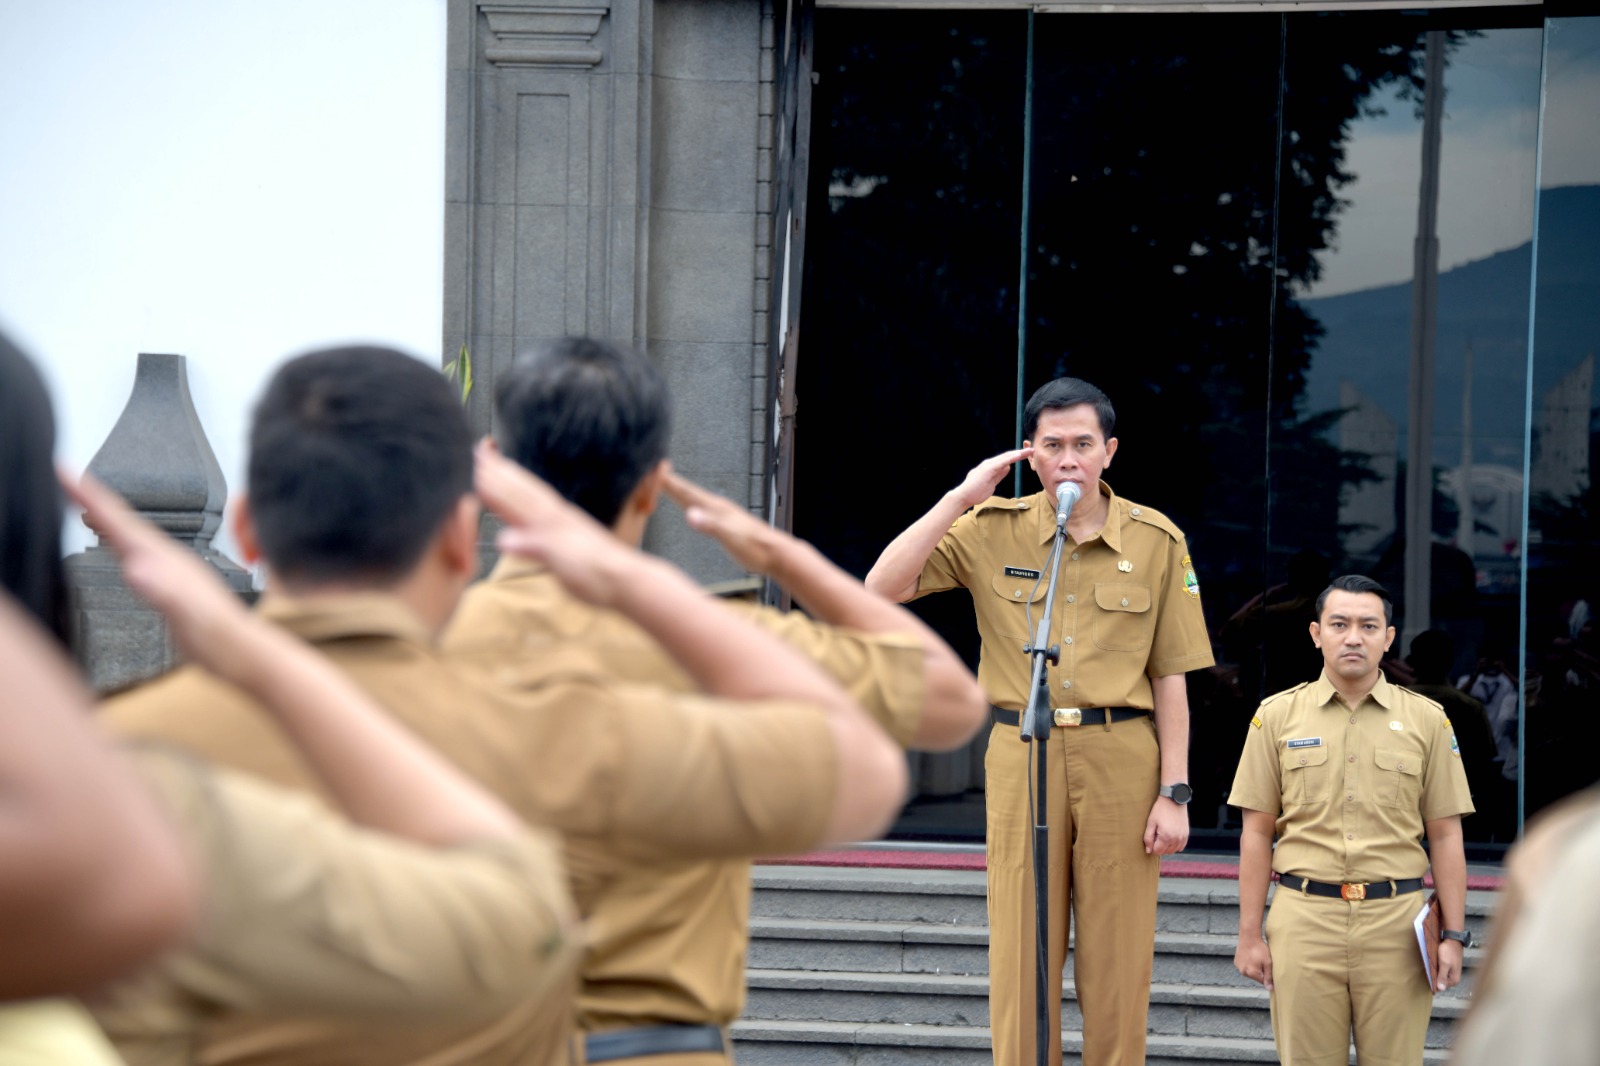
357,457
1062,393
30,498
1358,583
589,416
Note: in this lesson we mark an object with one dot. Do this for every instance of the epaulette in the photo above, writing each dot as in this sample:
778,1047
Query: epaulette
1001,503
1151,517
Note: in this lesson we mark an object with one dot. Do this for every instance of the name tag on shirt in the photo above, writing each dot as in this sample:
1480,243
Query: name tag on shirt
1020,571
1304,742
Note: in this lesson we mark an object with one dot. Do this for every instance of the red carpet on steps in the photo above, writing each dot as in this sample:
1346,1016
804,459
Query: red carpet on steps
971,860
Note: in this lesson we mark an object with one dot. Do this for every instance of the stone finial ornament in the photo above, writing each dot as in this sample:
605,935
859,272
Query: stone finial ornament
158,458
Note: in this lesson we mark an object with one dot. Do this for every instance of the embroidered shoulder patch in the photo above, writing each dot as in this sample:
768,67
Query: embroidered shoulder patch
1256,721
1191,584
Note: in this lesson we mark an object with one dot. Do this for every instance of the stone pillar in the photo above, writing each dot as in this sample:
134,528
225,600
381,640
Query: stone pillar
607,174
158,458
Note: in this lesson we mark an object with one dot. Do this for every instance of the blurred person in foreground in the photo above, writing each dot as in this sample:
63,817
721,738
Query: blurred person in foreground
1349,772
1533,999
664,974
292,900
360,503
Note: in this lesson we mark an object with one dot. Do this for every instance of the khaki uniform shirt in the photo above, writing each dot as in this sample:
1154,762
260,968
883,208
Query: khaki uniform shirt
1127,602
620,768
667,942
1352,788
305,912
51,1032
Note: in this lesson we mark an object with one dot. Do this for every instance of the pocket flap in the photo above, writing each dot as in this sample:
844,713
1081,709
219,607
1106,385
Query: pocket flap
1135,599
1404,762
1298,758
1020,589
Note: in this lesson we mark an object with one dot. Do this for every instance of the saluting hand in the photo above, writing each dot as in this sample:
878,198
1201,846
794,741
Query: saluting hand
204,617
746,538
585,557
983,479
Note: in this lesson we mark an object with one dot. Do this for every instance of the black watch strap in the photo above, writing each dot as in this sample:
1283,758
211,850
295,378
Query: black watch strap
1460,936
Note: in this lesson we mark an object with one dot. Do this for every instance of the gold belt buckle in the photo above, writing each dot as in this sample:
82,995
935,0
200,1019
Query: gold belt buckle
1353,891
1069,716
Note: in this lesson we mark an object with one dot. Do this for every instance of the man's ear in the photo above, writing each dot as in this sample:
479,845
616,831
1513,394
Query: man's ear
458,537
646,495
1316,634
1111,449
244,531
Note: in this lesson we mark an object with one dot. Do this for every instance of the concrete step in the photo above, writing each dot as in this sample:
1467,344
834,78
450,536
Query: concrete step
962,1001
850,1044
919,948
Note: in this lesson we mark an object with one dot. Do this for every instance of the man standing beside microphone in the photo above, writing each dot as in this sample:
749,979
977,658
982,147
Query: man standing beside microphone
1128,622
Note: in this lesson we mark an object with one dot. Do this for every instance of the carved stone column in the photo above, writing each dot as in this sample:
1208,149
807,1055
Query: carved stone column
158,458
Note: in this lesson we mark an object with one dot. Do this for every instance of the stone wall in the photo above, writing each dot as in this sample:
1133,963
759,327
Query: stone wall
609,172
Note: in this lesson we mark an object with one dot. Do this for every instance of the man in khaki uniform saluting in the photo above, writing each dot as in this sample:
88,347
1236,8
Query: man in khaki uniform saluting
1349,771
1129,624
360,467
664,973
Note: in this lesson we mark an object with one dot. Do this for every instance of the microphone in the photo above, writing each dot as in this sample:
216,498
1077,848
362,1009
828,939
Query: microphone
1067,494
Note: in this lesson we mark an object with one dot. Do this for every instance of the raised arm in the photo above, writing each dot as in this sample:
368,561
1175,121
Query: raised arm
94,879
380,774
894,575
954,705
726,655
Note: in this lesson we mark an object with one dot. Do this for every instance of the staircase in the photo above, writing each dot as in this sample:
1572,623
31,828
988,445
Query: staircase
888,967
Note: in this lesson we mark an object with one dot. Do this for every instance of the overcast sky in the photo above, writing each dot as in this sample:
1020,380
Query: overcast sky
230,180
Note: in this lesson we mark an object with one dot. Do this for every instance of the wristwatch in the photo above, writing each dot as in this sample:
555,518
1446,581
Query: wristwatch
1178,793
1460,936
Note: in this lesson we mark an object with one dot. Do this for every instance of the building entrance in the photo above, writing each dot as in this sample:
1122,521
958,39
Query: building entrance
1297,251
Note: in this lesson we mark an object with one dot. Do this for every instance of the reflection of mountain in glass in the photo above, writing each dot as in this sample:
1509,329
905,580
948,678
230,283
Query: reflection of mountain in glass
1484,304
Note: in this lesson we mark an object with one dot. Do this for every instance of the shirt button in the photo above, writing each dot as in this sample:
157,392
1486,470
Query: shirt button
1302,761
1074,556
1066,640
1124,601
1071,598
1018,593
1349,836
1134,512
1351,797
1352,717
1065,683
1352,758
1399,766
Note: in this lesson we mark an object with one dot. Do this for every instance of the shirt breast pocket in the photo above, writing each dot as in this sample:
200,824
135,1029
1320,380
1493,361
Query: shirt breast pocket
1305,775
1399,777
1123,620
1013,597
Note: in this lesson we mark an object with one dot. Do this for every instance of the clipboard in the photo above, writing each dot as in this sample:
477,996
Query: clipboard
1428,923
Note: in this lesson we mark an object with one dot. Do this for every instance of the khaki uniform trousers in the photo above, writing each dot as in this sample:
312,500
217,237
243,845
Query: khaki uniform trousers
1339,964
1101,783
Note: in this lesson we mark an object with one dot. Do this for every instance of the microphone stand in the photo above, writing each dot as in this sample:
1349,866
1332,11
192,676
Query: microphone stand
1035,724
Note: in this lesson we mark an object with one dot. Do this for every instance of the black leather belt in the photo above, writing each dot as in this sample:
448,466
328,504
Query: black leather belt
1074,716
652,1040
1367,890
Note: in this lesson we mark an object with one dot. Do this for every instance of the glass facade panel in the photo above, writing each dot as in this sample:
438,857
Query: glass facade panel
1298,257
1563,654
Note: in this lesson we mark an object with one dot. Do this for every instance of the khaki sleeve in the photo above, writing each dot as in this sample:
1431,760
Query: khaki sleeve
951,562
1180,642
306,912
1444,780
882,671
1257,785
710,779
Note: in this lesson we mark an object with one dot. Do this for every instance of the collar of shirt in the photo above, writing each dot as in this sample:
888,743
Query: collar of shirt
511,567
356,614
1111,532
1382,692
